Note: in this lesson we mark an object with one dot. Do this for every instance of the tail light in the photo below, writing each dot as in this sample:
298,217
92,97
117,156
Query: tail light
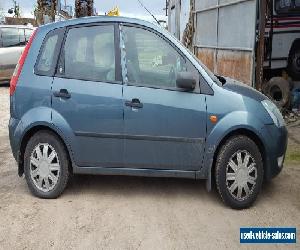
19,66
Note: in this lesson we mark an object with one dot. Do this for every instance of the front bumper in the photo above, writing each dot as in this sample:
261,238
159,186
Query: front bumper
276,140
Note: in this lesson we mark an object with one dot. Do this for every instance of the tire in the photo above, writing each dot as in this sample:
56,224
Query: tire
294,64
43,179
227,179
278,90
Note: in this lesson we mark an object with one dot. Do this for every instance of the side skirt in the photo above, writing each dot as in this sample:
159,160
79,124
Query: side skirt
136,172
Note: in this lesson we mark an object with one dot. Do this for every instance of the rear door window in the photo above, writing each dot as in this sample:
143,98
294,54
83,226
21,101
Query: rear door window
28,33
89,54
22,37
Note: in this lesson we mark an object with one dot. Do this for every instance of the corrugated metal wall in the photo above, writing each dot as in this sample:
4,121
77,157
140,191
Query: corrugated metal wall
184,15
172,21
179,12
224,37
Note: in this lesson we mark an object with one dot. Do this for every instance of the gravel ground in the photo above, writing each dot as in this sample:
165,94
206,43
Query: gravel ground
110,212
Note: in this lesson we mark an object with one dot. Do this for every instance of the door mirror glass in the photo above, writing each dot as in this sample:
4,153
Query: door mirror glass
186,80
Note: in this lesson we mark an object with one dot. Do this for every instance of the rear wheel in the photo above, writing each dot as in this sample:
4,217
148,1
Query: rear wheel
294,64
239,172
46,165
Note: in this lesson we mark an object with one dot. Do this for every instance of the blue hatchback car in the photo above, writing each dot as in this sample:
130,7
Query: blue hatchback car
120,96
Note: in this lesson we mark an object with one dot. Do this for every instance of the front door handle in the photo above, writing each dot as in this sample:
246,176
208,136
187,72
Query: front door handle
134,103
63,93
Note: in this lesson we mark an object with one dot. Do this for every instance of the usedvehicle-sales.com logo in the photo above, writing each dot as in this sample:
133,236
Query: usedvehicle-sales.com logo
268,235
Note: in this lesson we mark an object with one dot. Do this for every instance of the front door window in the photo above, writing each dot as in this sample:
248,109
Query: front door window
151,61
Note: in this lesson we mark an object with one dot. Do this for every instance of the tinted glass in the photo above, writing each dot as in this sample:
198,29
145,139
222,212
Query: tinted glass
287,6
151,60
10,37
47,54
281,4
89,53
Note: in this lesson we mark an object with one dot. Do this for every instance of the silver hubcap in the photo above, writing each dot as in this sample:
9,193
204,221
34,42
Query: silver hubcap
241,175
44,167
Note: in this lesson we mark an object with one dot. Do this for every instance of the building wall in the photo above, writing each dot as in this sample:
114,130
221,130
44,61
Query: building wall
20,21
224,34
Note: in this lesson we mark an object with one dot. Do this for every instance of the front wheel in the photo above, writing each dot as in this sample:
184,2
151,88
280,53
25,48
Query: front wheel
46,165
239,172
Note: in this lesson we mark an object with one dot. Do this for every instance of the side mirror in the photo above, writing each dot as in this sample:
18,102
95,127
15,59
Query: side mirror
185,80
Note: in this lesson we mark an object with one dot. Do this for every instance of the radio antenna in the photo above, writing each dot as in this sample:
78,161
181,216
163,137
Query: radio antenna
148,11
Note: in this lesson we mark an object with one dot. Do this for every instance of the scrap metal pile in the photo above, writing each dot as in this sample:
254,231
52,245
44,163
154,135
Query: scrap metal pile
285,93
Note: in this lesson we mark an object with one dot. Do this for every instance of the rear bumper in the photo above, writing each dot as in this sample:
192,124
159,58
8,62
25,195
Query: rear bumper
275,145
13,139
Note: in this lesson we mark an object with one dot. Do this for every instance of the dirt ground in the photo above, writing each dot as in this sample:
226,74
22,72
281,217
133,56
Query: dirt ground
110,212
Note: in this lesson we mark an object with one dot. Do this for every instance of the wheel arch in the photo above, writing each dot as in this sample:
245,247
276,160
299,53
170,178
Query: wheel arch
239,131
293,72
294,46
26,137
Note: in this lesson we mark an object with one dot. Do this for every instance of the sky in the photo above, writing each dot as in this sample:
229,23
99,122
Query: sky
130,8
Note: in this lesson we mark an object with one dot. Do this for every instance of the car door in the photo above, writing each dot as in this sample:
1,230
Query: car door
87,93
164,126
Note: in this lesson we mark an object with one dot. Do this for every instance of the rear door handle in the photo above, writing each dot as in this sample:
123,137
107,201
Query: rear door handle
63,93
134,103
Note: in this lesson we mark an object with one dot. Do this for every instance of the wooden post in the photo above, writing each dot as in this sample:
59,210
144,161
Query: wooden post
261,44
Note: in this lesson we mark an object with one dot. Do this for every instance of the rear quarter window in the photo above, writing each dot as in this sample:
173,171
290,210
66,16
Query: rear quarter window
47,58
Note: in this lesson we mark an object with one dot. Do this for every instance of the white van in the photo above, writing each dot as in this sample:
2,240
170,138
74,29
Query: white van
13,39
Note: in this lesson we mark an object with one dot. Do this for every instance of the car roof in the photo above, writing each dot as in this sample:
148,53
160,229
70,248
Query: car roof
97,19
16,26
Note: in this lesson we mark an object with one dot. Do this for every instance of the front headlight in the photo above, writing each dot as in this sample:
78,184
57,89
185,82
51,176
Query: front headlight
274,113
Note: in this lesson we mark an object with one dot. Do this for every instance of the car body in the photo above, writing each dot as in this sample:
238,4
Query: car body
120,96
13,39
